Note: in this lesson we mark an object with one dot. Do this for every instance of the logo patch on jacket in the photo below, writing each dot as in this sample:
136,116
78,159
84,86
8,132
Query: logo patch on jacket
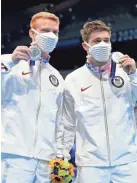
83,89
118,81
25,73
3,68
54,81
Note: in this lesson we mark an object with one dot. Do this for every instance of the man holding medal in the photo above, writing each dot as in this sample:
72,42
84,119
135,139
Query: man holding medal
98,109
31,97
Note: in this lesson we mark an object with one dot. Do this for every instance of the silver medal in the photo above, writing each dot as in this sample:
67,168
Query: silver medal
116,56
35,53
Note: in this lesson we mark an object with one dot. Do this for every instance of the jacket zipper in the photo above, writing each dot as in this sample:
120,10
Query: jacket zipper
38,110
105,118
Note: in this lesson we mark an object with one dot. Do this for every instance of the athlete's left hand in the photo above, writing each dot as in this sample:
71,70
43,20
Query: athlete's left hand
128,64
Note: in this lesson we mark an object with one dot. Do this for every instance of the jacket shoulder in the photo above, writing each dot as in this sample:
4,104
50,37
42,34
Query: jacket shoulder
75,74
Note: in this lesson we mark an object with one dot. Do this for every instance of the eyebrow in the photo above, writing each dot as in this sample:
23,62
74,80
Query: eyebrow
100,38
48,29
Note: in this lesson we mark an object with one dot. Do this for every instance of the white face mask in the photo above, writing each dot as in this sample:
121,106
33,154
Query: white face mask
100,52
46,41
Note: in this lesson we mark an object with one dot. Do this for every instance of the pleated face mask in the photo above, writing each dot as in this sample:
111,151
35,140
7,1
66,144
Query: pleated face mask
100,52
46,41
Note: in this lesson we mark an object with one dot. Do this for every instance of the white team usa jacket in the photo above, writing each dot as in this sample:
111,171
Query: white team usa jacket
31,97
102,116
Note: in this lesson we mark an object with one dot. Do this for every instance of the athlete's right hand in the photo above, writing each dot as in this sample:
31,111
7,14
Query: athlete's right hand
21,53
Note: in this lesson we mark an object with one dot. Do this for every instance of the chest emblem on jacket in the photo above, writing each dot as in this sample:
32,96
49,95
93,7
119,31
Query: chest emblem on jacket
54,81
117,81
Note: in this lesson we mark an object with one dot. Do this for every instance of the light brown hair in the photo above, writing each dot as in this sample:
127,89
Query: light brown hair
94,26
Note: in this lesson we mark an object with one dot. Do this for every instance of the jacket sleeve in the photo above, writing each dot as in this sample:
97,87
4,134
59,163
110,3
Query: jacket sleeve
133,84
6,66
6,61
66,127
59,132
69,120
59,122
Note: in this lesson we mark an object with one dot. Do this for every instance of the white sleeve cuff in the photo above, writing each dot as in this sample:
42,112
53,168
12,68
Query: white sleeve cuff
133,76
66,155
60,156
7,61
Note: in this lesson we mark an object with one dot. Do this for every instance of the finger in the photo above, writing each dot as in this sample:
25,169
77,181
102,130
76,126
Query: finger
127,59
22,56
24,49
126,63
125,56
123,59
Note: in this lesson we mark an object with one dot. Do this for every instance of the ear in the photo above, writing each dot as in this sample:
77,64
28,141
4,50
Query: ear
85,47
32,34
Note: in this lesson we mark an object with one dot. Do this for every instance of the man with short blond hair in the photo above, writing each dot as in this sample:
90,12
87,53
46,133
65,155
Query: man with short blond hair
31,97
98,108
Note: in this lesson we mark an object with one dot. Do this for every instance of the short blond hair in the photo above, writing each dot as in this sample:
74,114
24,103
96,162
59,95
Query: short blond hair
44,15
94,26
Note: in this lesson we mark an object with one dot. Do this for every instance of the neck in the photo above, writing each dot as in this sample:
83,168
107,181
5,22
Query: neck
95,63
45,55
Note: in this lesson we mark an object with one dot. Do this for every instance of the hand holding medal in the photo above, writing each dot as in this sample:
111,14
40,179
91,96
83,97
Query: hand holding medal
128,64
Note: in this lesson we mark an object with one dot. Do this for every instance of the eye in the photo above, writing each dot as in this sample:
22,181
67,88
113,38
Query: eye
97,41
45,30
106,40
56,33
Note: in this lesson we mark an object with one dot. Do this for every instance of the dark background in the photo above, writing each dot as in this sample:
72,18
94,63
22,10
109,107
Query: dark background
120,15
